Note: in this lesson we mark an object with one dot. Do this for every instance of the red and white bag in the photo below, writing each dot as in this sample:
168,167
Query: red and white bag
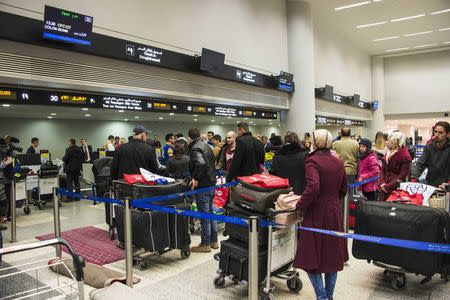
220,194
287,201
265,181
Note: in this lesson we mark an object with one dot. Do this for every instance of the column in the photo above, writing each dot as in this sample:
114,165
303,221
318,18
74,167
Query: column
377,123
301,115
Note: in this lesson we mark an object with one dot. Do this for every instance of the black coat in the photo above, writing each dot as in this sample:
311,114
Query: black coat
73,160
248,156
131,156
202,165
289,163
89,148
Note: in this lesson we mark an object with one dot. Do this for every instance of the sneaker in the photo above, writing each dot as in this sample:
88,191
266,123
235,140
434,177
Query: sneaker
201,248
215,245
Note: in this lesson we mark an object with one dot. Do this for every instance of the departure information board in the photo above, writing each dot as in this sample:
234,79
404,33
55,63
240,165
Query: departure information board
67,26
125,102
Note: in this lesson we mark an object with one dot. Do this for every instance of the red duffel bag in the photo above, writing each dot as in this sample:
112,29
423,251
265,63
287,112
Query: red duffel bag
400,196
266,181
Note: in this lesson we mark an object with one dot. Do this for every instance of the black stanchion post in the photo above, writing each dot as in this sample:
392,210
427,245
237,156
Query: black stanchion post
13,212
128,243
253,257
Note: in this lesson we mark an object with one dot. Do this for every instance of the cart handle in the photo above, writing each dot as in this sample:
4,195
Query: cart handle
78,261
272,212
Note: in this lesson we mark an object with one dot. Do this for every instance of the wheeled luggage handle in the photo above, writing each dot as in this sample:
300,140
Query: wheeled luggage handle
78,261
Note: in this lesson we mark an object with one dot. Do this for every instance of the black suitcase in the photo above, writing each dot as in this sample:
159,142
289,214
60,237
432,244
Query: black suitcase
179,228
239,232
139,190
403,221
48,170
254,198
233,260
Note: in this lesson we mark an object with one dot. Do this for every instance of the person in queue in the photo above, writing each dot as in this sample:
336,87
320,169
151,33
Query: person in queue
109,146
73,161
167,151
248,155
218,145
380,144
33,147
178,165
116,142
184,142
203,175
347,149
289,162
87,150
134,155
396,164
210,135
320,206
4,201
227,153
435,158
369,166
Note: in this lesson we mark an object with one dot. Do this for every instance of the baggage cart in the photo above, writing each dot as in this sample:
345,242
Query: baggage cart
63,288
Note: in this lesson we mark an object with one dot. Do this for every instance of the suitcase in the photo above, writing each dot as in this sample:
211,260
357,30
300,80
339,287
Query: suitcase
403,221
352,209
179,228
139,190
239,232
256,199
48,170
233,260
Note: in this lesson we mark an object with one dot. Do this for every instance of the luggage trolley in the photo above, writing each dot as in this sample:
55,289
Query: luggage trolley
65,287
22,196
46,184
282,246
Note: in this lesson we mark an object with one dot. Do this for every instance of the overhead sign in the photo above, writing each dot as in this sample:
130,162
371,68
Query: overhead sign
8,94
338,122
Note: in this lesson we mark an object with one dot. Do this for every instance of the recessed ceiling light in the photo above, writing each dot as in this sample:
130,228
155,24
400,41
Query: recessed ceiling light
440,12
222,123
408,18
397,49
85,109
245,118
228,117
126,120
195,115
136,117
377,0
386,38
213,120
160,118
87,115
6,105
352,5
444,29
49,117
447,42
53,114
418,33
171,114
195,120
371,24
121,110
425,45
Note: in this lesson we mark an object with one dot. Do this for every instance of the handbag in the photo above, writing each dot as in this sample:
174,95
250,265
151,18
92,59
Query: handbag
287,201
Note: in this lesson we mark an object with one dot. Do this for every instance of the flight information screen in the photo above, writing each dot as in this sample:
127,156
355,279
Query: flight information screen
67,26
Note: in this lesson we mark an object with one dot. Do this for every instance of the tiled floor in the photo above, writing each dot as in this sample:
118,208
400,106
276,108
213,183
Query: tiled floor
170,277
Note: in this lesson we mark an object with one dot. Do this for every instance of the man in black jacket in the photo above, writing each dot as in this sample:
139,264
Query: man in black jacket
73,160
248,156
435,157
203,175
133,155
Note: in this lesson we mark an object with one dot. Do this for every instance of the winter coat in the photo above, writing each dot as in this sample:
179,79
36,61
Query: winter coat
437,161
394,170
320,205
248,156
201,163
347,149
368,167
289,163
73,160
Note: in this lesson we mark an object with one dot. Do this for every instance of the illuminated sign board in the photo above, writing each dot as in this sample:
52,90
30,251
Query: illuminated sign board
8,95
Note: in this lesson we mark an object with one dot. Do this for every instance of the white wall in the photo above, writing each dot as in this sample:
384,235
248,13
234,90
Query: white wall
250,32
417,83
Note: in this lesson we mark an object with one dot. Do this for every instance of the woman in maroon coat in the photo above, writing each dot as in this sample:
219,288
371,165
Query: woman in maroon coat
320,205
396,164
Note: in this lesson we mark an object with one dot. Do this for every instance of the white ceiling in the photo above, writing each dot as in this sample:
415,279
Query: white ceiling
43,112
344,22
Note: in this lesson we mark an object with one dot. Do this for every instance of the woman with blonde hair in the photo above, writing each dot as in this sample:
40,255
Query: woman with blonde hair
320,205
396,164
380,143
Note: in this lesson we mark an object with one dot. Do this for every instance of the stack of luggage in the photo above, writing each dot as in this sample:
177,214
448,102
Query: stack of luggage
101,168
154,231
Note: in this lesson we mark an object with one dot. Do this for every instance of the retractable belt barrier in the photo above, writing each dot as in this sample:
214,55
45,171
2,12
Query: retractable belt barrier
145,203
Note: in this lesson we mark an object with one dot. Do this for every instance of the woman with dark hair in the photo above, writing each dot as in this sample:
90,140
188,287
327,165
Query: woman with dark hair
178,165
289,162
320,205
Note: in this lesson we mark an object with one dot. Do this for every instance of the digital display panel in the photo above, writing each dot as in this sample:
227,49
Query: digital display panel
199,109
122,103
247,113
67,26
8,95
73,99
161,106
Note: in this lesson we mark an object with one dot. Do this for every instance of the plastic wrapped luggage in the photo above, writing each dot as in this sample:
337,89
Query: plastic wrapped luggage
254,198
408,222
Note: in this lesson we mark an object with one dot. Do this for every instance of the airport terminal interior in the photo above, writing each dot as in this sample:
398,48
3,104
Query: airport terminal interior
120,86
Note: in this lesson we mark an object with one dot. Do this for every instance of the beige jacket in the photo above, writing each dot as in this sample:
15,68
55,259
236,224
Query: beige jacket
347,149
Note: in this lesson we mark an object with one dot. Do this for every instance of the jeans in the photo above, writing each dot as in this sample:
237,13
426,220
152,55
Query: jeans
323,292
209,228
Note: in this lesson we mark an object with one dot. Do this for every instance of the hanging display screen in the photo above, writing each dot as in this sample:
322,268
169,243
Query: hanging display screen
8,95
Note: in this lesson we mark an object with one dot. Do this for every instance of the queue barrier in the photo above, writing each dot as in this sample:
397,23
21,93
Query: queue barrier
252,223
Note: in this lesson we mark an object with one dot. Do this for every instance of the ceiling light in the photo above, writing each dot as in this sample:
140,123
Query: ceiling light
245,118
397,49
87,115
6,105
121,110
447,42
222,123
371,24
352,5
418,33
160,118
85,109
126,120
444,29
408,18
195,115
386,38
195,120
49,117
228,117
440,12
53,114
425,45
171,114
213,120
136,117
377,0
